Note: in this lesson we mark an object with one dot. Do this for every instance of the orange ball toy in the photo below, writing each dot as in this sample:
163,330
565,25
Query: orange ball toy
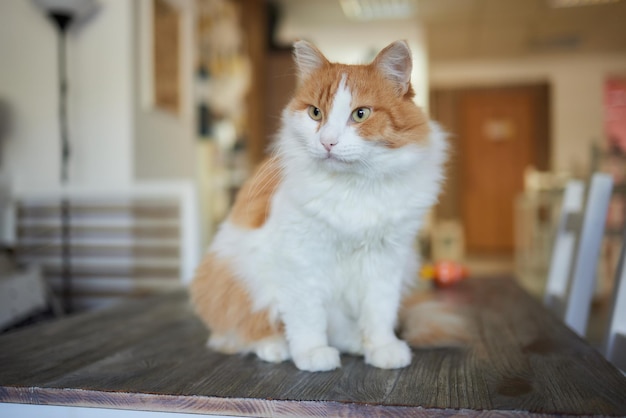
444,273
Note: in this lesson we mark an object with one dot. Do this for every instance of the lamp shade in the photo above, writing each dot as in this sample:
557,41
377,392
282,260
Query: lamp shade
75,10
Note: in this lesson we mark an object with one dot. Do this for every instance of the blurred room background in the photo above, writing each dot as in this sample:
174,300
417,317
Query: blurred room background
171,104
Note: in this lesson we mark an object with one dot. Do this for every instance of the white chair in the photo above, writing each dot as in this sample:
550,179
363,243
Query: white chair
615,345
572,273
564,241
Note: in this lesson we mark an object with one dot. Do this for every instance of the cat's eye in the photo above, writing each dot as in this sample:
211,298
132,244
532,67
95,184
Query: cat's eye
361,114
315,113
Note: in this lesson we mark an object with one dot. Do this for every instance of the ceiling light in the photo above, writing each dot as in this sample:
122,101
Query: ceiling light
364,10
577,3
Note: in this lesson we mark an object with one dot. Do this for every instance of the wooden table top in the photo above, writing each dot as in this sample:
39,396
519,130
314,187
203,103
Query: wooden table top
150,355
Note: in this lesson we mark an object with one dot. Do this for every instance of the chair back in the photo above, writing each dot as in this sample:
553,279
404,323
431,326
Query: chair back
572,274
615,345
564,246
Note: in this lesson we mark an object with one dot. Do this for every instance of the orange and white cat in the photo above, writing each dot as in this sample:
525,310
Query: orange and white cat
318,250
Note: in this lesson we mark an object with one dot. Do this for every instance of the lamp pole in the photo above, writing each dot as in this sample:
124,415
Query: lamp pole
64,13
62,21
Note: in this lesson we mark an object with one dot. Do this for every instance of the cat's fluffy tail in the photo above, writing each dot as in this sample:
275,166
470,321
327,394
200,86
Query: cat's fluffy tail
435,319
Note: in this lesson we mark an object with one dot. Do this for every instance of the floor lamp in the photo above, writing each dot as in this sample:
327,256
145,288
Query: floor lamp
66,14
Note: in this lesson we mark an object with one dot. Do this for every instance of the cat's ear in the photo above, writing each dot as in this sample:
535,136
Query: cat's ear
308,58
396,64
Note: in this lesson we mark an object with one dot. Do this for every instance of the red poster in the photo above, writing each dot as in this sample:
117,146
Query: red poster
615,112
615,131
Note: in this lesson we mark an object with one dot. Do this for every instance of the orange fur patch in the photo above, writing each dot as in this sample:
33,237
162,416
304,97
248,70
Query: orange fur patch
395,121
223,303
252,205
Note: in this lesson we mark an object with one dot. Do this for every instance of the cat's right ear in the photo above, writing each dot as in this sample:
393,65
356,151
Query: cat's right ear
396,64
308,59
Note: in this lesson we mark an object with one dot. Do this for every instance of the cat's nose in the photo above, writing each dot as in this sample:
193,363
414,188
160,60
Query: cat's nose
328,143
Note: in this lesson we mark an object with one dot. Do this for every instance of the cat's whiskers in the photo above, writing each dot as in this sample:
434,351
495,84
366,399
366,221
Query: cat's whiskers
268,201
266,176
252,192
368,165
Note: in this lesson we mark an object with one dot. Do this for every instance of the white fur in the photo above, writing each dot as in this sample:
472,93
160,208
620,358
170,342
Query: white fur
337,250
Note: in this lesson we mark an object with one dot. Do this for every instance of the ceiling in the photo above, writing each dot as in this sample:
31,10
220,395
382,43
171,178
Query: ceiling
466,29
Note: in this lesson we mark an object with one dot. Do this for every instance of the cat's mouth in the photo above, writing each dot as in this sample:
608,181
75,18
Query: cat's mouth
338,162
334,159
330,156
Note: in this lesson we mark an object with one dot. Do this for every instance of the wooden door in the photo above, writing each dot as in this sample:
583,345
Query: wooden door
500,135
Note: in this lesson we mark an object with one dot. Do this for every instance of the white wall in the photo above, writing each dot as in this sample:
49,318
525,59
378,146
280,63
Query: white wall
101,64
28,82
164,143
100,96
577,88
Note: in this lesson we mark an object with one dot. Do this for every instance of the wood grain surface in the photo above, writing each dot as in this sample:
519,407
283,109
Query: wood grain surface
150,355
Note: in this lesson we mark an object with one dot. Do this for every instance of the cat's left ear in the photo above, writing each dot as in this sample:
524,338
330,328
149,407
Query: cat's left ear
396,64
308,58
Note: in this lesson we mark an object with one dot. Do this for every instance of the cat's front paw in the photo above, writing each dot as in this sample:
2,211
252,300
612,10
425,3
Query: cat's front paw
273,350
390,356
318,359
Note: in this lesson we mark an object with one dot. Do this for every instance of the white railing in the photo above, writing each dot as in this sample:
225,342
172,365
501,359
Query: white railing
115,250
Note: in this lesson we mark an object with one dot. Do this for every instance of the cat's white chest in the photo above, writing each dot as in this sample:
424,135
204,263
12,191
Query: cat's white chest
356,214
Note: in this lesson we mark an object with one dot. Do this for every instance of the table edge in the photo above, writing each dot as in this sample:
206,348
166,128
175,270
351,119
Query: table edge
248,407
